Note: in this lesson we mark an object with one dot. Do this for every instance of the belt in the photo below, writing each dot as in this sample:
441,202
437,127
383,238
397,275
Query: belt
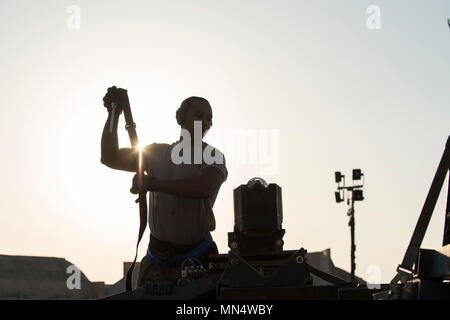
194,253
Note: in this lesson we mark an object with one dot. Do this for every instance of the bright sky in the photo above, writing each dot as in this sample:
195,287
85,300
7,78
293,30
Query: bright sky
339,96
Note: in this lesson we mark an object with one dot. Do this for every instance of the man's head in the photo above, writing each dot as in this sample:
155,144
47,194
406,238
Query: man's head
194,109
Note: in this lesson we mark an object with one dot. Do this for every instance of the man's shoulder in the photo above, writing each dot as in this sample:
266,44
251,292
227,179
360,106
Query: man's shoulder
216,157
212,148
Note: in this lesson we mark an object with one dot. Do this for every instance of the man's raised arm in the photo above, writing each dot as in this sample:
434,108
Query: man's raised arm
121,159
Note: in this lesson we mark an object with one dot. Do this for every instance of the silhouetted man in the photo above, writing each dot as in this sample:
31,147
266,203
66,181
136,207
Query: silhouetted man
183,188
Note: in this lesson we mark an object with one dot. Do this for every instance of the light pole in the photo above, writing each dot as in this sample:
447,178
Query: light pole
356,195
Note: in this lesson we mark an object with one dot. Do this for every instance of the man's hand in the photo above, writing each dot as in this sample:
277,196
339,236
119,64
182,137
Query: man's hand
147,184
117,95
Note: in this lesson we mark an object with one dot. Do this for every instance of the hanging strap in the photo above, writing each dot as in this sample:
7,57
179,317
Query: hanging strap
142,221
142,225
130,126
404,270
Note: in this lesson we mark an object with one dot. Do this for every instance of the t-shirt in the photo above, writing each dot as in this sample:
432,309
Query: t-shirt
173,218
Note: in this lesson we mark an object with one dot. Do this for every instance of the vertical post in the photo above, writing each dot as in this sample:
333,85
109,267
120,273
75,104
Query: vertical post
447,210
351,223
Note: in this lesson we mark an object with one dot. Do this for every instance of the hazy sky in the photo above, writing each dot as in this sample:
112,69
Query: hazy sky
337,95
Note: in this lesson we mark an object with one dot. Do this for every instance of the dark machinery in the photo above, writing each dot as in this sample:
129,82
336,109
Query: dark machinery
425,274
256,266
